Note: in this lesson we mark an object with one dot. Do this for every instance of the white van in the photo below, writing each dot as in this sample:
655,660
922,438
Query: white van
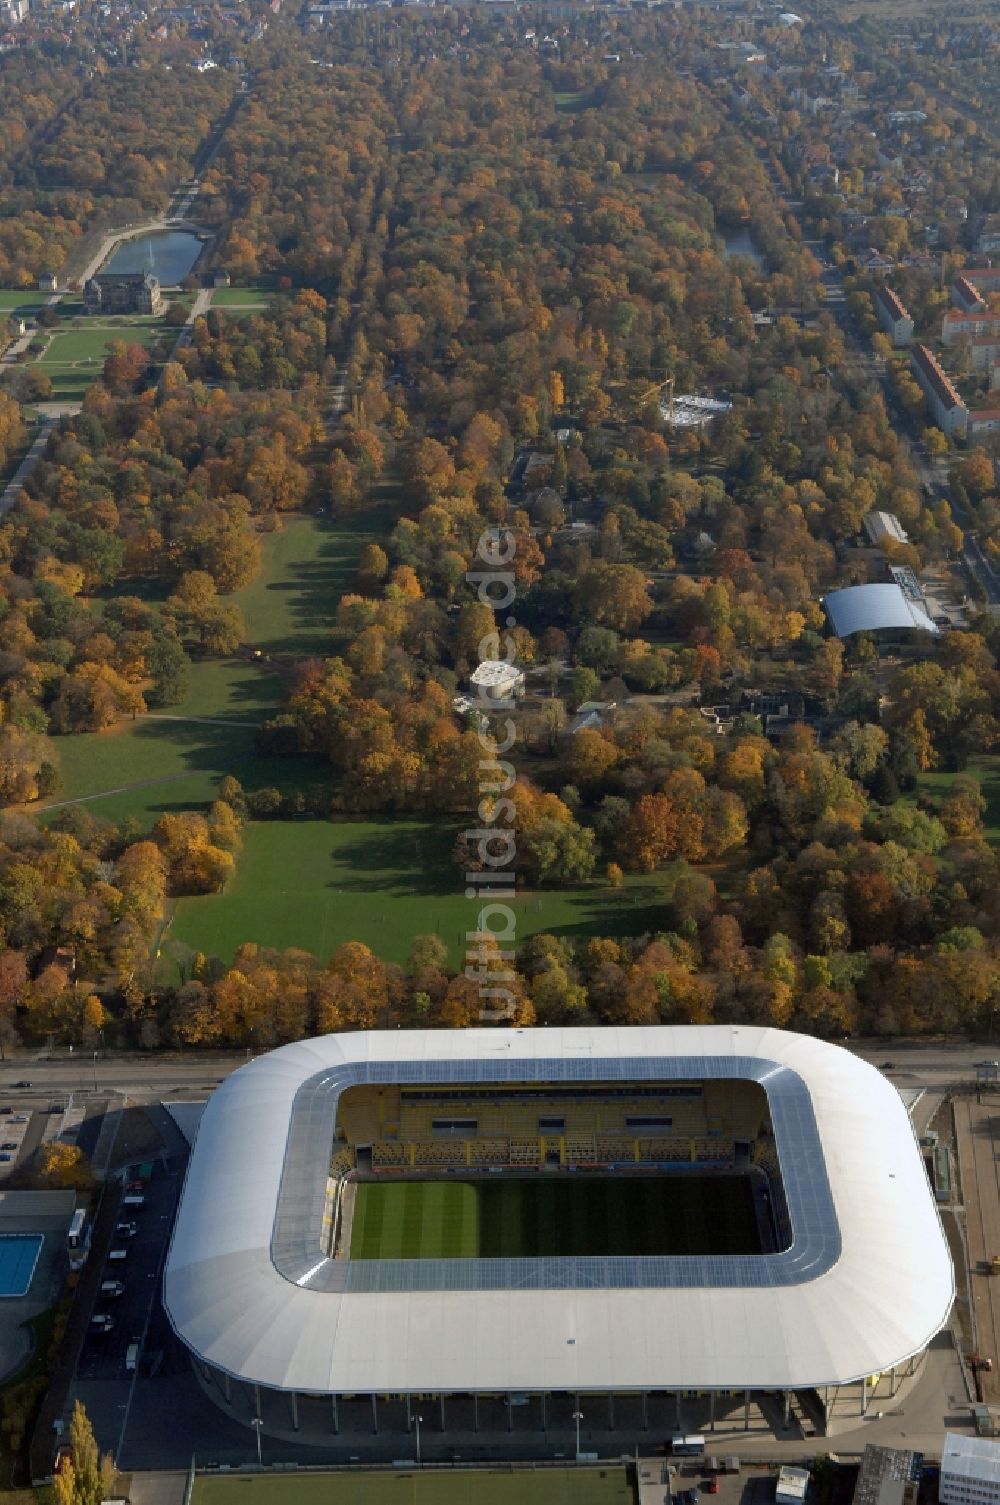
132,1357
117,1256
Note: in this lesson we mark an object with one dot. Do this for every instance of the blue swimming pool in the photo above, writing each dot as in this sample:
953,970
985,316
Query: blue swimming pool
18,1257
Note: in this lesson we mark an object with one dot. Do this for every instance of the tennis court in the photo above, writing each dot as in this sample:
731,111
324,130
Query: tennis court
511,1218
555,1486
18,1257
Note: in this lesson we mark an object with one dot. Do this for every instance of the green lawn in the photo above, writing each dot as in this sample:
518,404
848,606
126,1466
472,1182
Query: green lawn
150,765
513,1218
315,883
224,297
987,770
308,565
550,1486
91,344
26,301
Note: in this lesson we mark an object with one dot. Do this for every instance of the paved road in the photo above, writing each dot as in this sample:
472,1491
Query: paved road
13,488
935,1066
862,361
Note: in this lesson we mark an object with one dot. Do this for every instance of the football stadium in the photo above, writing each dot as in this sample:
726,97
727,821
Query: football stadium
503,1224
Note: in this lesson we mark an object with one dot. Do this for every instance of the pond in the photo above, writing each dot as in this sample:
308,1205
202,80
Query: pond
168,254
741,243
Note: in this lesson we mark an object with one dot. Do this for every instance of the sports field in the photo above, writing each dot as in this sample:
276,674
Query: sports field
510,1218
549,1486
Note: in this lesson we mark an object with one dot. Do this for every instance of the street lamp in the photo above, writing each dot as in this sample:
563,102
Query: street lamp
578,1417
95,1070
418,1420
256,1422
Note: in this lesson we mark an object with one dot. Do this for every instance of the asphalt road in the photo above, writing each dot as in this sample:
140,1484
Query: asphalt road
148,1079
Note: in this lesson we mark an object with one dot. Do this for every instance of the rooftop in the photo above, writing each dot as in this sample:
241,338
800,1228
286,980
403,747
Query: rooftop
929,365
892,302
866,1283
971,1457
873,608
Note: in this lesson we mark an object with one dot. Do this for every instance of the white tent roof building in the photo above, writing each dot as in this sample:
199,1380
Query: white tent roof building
872,608
865,1285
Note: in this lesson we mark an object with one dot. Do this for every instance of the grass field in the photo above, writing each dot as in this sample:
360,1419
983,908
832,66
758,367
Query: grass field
987,770
509,1218
25,297
226,297
315,883
289,609
144,767
551,1486
68,346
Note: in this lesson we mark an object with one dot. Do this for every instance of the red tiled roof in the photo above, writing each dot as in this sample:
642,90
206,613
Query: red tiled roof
894,307
968,293
922,358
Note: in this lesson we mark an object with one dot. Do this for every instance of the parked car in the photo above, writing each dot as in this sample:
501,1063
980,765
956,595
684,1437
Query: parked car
712,1485
19,1118
5,1157
22,1084
54,1108
887,1066
5,1111
10,1144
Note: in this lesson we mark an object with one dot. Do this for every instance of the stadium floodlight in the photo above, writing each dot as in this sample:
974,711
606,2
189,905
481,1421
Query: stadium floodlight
418,1420
578,1417
257,1423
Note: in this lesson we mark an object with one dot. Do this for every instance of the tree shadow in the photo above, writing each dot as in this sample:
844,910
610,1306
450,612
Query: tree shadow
398,860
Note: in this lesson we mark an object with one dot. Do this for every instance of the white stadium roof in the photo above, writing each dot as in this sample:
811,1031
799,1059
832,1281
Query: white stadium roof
866,1283
868,608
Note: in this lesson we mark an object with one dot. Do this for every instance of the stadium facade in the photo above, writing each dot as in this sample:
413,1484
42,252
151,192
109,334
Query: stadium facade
261,1288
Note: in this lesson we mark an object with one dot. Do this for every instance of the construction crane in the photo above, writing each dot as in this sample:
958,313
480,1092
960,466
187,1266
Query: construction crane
654,391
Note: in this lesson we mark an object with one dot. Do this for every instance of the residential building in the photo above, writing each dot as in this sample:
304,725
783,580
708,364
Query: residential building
893,317
970,1471
966,296
983,421
123,293
957,324
946,407
875,261
985,279
988,239
883,527
48,283
983,351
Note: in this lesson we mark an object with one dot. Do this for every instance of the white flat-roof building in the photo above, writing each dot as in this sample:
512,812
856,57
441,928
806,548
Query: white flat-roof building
494,680
252,1290
792,1485
882,527
970,1471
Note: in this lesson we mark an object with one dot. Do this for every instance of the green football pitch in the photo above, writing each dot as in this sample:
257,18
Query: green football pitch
549,1486
510,1218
